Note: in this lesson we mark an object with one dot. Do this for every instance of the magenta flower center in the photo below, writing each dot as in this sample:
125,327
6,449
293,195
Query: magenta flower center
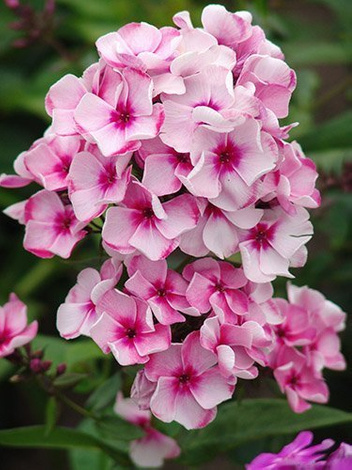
131,333
219,287
148,213
161,292
184,378
183,157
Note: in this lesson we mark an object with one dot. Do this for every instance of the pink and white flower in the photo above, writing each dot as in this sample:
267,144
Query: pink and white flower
142,222
96,181
214,284
125,327
14,330
298,381
228,165
163,289
78,313
189,385
274,244
50,160
51,227
117,126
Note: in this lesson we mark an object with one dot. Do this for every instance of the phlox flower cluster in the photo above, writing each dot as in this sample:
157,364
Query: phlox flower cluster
301,454
172,141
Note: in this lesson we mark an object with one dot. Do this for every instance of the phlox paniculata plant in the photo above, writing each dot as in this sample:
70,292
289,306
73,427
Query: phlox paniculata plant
170,144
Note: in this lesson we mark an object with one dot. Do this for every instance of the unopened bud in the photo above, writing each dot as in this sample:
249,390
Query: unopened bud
46,365
36,365
61,369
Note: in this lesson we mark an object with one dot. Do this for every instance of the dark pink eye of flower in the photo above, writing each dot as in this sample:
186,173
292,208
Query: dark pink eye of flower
131,333
108,177
183,157
228,154
219,287
184,378
161,292
148,213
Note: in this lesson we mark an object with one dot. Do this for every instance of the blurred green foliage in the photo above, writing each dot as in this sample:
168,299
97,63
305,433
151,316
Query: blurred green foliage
316,38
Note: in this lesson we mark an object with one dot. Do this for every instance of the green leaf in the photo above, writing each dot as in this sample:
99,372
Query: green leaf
333,134
35,436
240,423
51,413
59,438
300,54
71,353
117,428
105,394
332,161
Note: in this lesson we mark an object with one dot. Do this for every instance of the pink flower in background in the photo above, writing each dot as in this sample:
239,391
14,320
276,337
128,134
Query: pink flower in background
298,454
125,327
14,330
143,223
189,385
154,447
117,127
163,289
95,181
51,227
78,314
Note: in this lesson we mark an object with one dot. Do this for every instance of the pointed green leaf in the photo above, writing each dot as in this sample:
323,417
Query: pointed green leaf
240,423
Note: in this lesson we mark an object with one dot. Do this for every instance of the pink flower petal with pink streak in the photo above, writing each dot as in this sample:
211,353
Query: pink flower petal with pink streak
165,364
199,291
163,402
159,175
211,388
146,127
220,236
149,241
106,331
140,88
119,226
13,181
251,264
118,306
182,215
125,352
153,271
194,356
164,312
140,37
154,342
190,414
